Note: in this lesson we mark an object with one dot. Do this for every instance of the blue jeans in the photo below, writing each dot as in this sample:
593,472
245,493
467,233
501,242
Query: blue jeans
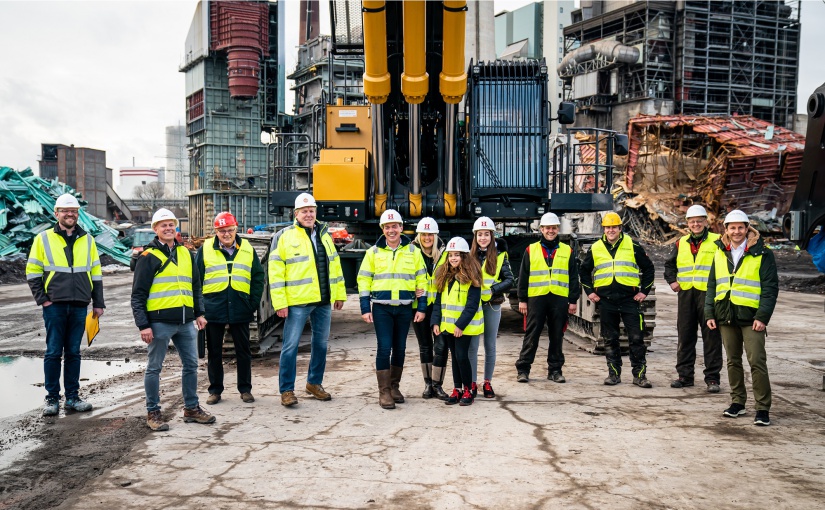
392,323
492,319
185,338
319,319
65,325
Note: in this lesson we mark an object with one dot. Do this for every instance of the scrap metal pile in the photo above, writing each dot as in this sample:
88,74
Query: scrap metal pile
723,162
26,209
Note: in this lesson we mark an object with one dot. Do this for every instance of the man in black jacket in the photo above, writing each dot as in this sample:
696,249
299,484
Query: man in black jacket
548,291
167,304
233,282
610,277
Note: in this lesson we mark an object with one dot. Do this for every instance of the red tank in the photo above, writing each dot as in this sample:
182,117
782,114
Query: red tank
242,30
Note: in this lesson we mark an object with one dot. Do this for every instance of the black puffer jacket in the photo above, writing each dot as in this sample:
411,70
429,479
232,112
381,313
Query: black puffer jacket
724,311
230,306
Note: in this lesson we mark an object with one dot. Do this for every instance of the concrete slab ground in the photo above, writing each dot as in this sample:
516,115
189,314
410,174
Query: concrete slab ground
536,445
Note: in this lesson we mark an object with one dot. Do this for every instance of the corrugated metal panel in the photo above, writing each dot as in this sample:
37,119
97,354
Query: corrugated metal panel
249,208
585,85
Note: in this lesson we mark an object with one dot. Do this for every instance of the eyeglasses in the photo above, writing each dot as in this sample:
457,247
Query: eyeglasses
227,231
67,211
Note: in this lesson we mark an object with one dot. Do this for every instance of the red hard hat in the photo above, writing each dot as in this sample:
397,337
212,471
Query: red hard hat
249,231
225,219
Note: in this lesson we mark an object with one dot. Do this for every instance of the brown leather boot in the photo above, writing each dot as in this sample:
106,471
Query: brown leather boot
384,392
395,373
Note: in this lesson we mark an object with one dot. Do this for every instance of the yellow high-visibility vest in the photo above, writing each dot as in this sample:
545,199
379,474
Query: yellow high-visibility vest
48,257
431,290
622,267
293,277
217,276
544,279
172,287
692,272
391,277
488,280
744,286
453,302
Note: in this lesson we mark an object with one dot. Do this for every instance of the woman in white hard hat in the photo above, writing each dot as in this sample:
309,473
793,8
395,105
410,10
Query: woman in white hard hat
457,313
497,280
392,285
432,350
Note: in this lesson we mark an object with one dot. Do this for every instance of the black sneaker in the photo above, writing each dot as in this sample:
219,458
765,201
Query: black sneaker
762,419
454,397
556,377
642,382
681,383
734,411
612,380
523,377
467,398
488,390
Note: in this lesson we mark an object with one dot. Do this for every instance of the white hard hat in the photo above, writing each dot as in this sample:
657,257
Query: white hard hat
163,215
390,216
305,200
427,225
696,211
66,201
549,219
458,244
737,216
484,223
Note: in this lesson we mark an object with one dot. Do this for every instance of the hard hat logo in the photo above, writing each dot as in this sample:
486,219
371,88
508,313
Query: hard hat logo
426,225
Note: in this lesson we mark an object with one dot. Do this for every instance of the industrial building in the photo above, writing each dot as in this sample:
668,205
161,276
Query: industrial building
535,31
132,177
233,63
84,169
623,58
176,173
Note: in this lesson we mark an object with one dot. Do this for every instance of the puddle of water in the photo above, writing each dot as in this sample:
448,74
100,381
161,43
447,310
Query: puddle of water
24,377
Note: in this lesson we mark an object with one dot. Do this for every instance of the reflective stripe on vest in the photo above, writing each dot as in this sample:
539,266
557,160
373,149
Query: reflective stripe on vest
746,288
488,280
692,272
543,279
172,287
431,290
56,261
452,304
393,281
217,275
622,267
300,276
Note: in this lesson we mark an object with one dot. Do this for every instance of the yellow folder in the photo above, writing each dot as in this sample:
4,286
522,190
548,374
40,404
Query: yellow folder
92,327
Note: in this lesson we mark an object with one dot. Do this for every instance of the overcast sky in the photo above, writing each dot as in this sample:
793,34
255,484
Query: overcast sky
105,74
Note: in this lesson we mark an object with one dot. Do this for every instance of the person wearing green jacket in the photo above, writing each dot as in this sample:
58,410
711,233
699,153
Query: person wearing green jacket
742,289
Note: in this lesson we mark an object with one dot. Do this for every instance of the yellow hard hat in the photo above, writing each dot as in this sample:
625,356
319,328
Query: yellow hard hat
611,219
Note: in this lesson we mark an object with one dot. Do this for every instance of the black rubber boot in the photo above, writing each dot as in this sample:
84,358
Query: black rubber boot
426,369
437,381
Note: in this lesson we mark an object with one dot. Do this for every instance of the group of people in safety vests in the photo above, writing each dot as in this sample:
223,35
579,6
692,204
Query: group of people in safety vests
451,293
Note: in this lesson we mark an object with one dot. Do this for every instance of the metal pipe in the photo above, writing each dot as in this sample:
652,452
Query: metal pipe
377,114
376,75
415,158
450,197
453,77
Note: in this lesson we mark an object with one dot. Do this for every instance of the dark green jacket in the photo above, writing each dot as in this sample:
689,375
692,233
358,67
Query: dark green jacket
725,312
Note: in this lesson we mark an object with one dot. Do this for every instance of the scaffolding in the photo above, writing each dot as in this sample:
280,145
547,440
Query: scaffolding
739,58
696,57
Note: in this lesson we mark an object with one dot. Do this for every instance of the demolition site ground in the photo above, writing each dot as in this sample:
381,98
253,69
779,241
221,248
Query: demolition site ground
536,445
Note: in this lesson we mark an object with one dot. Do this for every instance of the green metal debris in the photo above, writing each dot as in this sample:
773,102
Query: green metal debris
26,205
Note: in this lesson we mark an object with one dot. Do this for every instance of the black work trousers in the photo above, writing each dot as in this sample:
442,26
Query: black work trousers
550,310
243,356
613,312
460,351
430,349
691,309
